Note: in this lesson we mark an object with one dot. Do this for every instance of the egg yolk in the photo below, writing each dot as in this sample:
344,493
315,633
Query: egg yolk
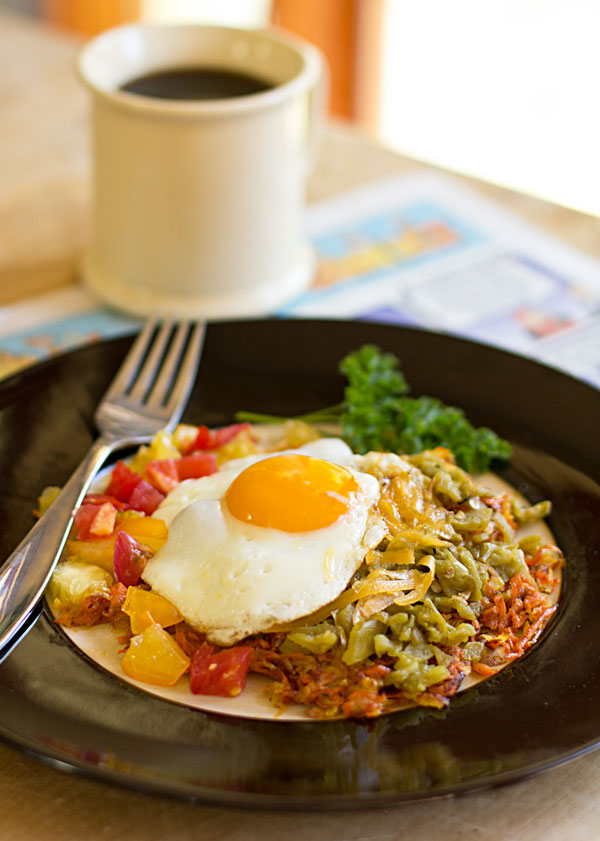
292,492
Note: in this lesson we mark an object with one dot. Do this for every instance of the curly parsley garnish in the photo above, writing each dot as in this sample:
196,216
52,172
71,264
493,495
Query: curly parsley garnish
377,414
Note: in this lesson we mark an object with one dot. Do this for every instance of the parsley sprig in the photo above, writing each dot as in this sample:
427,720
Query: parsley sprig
378,414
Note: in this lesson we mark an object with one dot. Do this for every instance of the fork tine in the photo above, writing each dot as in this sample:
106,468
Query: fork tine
131,363
186,375
161,387
148,371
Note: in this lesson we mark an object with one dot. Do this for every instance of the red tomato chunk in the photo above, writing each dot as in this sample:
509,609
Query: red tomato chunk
123,482
130,559
145,498
83,519
210,439
99,499
166,473
162,474
95,520
196,466
223,673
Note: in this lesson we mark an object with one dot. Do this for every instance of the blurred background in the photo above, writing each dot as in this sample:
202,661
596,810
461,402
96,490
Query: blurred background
505,92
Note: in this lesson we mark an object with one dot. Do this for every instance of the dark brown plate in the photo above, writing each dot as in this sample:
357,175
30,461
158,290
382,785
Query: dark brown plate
541,711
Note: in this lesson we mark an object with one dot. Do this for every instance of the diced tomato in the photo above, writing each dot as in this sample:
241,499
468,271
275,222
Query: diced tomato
103,523
204,439
83,519
145,498
165,474
196,466
123,482
210,439
99,499
162,474
94,520
223,673
228,433
130,559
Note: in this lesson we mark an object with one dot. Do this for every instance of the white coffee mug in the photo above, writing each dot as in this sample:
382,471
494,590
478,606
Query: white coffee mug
198,204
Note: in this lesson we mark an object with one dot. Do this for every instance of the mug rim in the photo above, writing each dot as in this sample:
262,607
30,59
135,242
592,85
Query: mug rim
307,77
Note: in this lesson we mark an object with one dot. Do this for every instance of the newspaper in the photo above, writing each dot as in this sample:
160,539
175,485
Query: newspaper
418,250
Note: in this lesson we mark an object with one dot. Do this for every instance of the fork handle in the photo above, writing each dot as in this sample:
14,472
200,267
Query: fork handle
25,574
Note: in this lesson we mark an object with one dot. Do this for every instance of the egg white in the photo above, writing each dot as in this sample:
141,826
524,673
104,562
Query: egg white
231,579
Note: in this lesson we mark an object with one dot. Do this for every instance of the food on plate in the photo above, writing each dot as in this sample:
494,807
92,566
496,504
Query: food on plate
266,539
358,583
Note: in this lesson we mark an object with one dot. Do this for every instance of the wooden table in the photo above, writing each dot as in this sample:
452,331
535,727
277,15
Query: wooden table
44,207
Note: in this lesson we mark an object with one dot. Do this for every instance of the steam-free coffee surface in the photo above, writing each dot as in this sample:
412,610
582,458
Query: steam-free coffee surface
196,83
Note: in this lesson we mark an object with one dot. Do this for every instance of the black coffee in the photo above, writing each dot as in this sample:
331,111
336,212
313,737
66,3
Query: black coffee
196,83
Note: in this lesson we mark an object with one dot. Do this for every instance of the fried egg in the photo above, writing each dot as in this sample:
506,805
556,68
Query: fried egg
266,540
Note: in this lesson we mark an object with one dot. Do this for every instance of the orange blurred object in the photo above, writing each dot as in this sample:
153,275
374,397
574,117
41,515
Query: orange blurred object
90,18
330,25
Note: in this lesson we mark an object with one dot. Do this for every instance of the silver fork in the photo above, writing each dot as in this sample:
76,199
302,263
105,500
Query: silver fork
148,393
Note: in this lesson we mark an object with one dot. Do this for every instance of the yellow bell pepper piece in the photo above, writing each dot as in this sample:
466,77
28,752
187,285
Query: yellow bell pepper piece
98,551
146,608
46,499
146,530
154,657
